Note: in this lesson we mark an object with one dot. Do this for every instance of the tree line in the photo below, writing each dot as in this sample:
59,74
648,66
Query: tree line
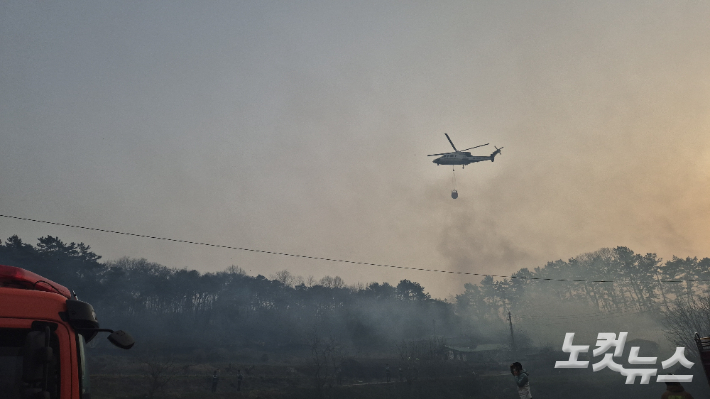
186,308
610,281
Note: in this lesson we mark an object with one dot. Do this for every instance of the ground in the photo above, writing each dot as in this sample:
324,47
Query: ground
120,378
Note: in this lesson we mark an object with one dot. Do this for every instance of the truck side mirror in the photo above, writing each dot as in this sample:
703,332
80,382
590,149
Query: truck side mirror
121,339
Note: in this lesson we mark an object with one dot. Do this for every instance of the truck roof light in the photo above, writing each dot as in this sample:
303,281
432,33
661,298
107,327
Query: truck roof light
15,277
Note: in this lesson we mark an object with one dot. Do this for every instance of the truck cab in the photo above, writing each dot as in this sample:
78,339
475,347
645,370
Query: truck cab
43,332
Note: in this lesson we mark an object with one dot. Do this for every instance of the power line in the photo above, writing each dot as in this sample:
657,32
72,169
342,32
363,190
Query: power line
547,320
568,322
552,320
322,258
593,315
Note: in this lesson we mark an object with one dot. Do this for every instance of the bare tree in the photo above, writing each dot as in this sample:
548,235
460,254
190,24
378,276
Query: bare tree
425,356
686,317
157,372
310,281
233,269
326,282
284,277
298,280
326,358
338,282
332,282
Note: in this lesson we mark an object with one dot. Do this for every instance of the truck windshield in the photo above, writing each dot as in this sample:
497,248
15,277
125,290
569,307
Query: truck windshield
84,380
12,342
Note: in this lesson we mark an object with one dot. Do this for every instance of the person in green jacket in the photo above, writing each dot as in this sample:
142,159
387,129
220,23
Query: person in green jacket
521,380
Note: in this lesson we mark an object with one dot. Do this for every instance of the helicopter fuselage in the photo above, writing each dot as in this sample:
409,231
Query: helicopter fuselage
464,157
460,158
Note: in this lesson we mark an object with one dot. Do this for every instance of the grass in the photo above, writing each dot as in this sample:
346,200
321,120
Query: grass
276,381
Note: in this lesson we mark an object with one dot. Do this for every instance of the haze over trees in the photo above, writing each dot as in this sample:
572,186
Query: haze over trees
187,309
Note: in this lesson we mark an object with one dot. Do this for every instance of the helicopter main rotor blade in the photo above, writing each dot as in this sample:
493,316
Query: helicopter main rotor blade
443,153
452,143
482,145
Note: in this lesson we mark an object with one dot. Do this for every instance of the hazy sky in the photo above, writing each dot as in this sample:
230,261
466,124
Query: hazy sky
304,126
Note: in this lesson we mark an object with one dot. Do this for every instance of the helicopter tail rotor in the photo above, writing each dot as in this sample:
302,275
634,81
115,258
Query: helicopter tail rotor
496,152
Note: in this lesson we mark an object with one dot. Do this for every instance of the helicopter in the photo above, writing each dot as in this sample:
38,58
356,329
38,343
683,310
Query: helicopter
463,157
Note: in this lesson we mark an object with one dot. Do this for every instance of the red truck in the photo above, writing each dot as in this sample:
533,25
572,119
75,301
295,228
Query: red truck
43,332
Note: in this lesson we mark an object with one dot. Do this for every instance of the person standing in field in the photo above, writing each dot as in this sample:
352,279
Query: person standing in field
521,380
215,380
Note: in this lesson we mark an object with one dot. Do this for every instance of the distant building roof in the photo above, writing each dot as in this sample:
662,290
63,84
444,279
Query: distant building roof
463,349
478,348
491,347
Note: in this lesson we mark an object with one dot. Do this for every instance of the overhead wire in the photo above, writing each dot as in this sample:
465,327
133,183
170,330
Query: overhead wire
593,315
530,278
546,323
